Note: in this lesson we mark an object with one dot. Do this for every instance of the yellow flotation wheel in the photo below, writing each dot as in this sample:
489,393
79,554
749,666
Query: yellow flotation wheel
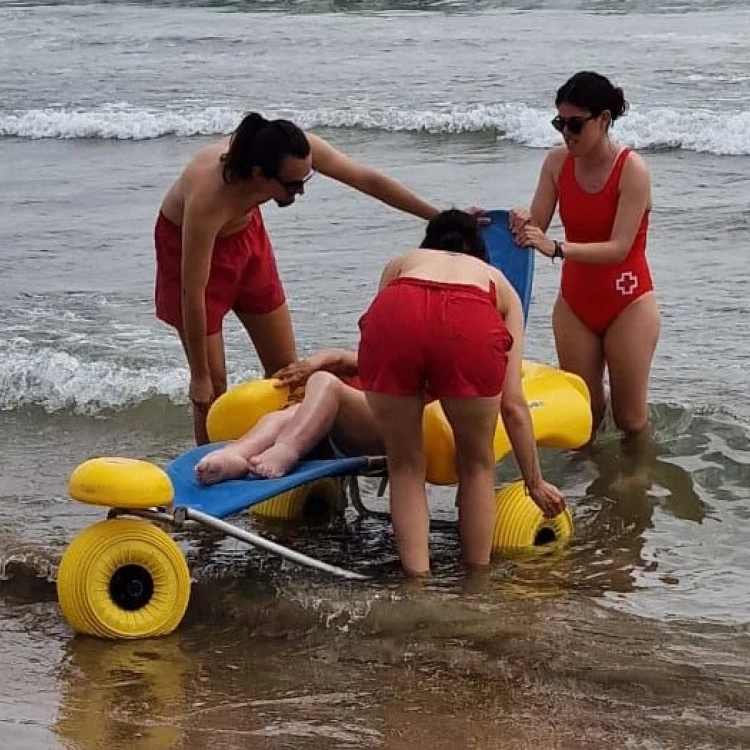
521,526
312,500
123,578
120,483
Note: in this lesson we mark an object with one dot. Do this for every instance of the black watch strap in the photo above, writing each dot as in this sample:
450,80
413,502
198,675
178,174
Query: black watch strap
558,250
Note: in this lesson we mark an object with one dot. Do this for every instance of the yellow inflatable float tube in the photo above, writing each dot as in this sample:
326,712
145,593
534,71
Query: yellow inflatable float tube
559,403
560,408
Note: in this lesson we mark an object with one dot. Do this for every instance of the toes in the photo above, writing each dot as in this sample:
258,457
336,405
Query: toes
264,471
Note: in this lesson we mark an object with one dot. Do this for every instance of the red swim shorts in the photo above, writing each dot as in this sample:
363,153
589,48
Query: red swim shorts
243,275
425,336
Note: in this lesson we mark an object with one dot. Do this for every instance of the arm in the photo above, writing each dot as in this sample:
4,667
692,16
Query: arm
338,362
199,232
544,202
515,410
513,407
332,163
634,201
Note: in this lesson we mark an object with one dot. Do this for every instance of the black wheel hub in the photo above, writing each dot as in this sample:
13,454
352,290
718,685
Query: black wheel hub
544,536
131,587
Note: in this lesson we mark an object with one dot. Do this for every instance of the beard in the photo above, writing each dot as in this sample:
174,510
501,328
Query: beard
286,202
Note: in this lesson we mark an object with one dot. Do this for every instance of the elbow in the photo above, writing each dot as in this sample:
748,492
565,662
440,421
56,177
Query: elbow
619,252
372,182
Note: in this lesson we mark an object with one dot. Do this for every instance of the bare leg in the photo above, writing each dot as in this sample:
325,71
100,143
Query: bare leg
400,422
218,370
473,421
272,336
629,346
580,351
328,405
232,461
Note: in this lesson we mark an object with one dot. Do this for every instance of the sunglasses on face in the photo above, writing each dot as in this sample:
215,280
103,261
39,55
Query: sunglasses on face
573,124
295,186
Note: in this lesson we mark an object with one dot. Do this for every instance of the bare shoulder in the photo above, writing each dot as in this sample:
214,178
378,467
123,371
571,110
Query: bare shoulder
500,279
201,179
408,257
503,288
635,166
205,161
554,160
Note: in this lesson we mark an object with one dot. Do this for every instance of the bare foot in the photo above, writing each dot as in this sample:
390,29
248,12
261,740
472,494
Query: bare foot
220,465
275,461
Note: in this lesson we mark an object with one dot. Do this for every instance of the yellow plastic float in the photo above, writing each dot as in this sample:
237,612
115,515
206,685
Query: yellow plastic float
120,483
123,578
521,526
306,500
240,408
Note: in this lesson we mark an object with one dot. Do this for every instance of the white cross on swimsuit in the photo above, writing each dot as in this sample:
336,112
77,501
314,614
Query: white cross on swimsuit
626,283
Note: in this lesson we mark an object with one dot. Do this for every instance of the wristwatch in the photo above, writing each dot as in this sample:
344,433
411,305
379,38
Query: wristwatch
558,250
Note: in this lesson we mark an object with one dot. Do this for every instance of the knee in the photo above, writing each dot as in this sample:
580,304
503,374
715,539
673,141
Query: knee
219,382
324,381
598,409
631,421
406,461
474,460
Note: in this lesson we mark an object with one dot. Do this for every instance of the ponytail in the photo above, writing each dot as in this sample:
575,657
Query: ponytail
258,142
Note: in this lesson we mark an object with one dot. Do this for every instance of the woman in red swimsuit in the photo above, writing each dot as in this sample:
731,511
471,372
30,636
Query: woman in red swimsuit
606,312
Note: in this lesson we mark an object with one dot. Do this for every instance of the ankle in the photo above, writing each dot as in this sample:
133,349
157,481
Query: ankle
417,573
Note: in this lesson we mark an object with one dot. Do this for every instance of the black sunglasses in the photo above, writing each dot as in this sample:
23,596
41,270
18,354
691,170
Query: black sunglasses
295,186
573,124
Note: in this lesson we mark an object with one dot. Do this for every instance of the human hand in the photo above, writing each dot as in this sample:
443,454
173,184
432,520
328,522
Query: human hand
548,497
531,236
518,218
479,212
296,374
201,391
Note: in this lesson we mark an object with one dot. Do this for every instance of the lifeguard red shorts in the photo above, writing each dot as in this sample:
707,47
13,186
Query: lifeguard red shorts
426,336
243,275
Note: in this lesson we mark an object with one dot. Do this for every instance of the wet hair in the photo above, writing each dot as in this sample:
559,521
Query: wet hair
457,232
593,92
262,143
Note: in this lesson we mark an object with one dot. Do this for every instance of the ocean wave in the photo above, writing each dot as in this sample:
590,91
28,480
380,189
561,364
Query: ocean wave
708,131
57,379
60,381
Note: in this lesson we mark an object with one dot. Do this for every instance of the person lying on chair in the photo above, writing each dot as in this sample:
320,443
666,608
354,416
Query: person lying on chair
331,408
